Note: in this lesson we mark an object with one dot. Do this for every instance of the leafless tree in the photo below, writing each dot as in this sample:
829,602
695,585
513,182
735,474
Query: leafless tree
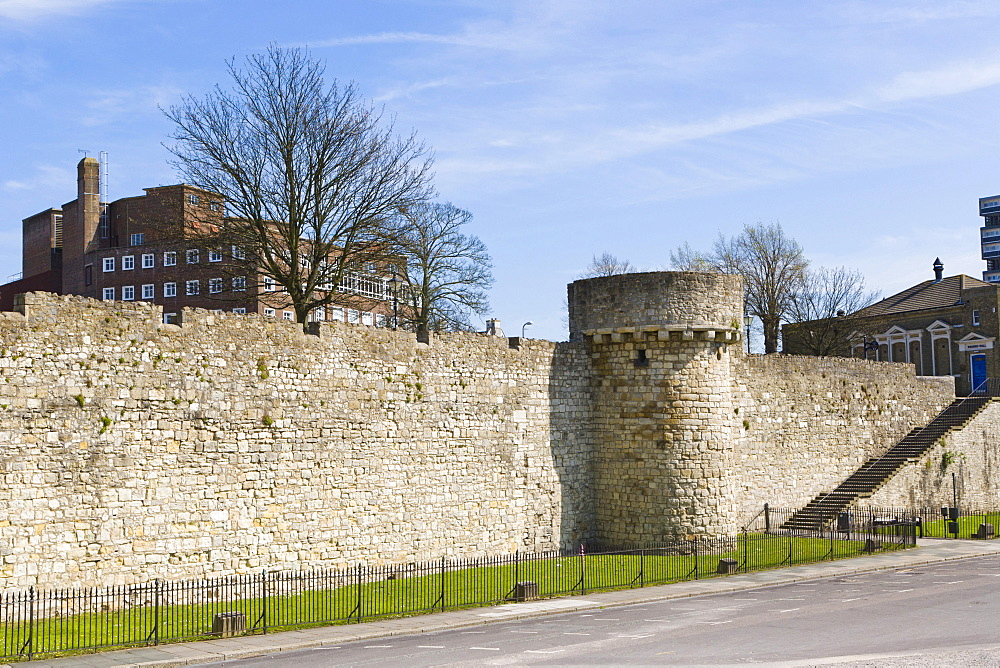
448,272
310,172
607,265
686,258
772,266
820,310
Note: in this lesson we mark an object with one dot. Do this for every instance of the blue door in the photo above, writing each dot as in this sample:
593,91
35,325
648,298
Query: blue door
978,371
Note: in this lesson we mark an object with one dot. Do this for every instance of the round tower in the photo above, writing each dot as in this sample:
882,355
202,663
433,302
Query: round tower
665,425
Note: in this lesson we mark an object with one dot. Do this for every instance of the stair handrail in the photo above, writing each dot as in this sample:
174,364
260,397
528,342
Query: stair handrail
989,388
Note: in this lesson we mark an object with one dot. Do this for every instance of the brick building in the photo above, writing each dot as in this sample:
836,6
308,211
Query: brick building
152,248
944,327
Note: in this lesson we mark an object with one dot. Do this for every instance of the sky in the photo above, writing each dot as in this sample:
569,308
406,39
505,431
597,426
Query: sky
868,130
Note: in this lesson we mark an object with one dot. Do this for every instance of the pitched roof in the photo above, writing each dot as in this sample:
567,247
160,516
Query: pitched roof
926,295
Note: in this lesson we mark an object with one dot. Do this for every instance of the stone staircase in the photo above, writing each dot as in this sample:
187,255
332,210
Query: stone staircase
877,471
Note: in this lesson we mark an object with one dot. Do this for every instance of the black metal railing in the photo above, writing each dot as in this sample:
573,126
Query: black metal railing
40,622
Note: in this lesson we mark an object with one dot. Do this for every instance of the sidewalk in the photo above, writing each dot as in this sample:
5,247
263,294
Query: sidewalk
184,654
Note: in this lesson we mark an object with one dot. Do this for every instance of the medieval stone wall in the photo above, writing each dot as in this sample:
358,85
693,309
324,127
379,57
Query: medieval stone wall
133,450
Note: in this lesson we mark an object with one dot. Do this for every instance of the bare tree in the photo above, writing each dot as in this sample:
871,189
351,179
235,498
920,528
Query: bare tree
310,173
448,272
772,266
686,258
820,311
607,265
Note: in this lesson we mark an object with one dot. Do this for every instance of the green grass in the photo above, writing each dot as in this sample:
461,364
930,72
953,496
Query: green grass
297,604
967,525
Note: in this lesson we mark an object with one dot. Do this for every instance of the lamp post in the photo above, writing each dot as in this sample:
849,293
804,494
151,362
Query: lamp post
527,324
394,282
747,321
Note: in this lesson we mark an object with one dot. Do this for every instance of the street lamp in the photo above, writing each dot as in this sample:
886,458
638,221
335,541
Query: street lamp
527,324
747,321
394,282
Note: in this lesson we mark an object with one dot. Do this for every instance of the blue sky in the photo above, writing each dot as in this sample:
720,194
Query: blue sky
867,129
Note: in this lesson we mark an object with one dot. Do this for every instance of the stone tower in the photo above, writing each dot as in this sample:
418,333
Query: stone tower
663,401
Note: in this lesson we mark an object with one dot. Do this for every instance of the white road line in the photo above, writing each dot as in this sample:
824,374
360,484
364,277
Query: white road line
788,610
490,649
848,600
377,646
648,635
606,619
524,631
570,633
744,599
728,621
473,631
544,651
656,620
949,583
430,647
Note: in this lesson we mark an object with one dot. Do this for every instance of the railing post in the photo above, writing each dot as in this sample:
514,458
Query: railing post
156,611
642,568
263,598
746,550
695,550
31,622
442,583
583,570
359,601
767,518
789,548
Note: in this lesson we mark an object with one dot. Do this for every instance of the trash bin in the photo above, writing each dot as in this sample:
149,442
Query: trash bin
227,624
727,566
525,591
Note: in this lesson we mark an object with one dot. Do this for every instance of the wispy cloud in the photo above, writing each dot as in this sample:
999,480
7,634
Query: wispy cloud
951,79
46,177
108,105
476,41
30,10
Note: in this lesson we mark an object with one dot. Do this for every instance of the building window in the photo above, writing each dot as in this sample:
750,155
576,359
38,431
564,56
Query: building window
238,253
148,291
148,260
214,206
214,285
88,274
379,320
192,256
138,239
193,287
214,256
109,294
337,313
241,310
169,318
193,199
239,283
128,263
353,316
367,319
109,264
975,318
170,259
288,315
169,289
268,284
371,267
269,312
128,293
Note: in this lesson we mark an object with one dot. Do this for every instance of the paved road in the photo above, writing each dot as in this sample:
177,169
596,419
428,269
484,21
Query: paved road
934,615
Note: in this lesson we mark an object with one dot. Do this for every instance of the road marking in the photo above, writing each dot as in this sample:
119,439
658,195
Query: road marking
728,621
606,619
491,649
377,646
788,610
544,651
570,633
656,620
790,599
518,608
740,599
524,631
473,631
949,583
647,635
430,647
848,600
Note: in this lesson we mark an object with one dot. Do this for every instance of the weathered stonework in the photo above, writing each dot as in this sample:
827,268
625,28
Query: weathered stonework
133,450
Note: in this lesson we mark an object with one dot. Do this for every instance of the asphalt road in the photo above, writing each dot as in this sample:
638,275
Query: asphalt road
936,615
